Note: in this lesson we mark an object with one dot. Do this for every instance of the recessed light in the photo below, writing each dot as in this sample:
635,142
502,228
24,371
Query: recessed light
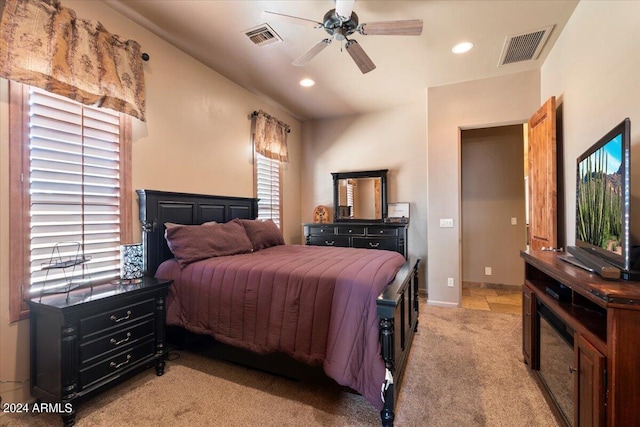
307,82
462,47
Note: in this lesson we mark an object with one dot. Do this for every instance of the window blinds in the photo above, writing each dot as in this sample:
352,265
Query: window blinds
74,188
268,188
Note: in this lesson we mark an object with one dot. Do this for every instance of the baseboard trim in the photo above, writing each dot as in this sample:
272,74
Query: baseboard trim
484,285
443,304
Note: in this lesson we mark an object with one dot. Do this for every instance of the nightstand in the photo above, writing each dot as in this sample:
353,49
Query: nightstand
90,340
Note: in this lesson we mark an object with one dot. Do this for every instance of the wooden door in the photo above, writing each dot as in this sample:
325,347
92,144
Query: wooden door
589,385
542,177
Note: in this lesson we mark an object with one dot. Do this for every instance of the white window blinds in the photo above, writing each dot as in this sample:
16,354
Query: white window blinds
350,197
74,189
268,188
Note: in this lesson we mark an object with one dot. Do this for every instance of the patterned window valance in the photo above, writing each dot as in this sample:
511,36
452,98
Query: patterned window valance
270,137
45,45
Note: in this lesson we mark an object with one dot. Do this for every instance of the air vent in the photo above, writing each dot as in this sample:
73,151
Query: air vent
263,35
524,47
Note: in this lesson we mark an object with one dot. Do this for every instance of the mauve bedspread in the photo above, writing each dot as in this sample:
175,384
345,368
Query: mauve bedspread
316,304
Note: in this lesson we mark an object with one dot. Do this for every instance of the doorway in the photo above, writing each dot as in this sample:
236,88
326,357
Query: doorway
493,206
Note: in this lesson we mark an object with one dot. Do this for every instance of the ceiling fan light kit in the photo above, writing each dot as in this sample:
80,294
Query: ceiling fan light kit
342,22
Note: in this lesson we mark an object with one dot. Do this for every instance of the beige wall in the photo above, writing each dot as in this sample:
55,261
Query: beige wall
394,140
198,118
493,192
594,72
196,139
489,102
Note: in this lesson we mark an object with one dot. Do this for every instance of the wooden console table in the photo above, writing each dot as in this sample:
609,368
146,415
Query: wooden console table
603,318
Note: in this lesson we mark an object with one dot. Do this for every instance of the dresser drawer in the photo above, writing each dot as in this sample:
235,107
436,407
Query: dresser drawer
331,240
116,317
389,244
116,341
116,363
351,230
320,230
381,231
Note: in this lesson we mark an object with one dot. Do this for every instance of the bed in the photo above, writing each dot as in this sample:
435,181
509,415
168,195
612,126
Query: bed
352,311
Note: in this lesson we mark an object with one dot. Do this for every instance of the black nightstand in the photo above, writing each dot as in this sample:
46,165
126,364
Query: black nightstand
95,338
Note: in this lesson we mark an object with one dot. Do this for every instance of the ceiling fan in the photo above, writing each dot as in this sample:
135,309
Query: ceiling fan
340,23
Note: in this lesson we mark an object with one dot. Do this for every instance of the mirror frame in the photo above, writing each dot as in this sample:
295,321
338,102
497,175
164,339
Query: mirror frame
337,176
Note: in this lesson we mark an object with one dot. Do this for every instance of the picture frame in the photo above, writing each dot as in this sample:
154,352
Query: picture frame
398,213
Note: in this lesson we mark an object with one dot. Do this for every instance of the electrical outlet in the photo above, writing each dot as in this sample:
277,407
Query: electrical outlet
450,282
487,271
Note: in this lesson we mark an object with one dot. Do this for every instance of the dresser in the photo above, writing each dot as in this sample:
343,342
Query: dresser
391,237
93,338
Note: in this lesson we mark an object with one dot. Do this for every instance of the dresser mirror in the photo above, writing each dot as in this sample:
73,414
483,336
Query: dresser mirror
360,196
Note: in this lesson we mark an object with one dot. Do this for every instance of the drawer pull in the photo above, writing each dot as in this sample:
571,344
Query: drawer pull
381,231
374,245
115,319
114,342
329,243
115,365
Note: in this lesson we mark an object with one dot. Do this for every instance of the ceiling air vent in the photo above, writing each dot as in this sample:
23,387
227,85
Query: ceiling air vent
524,47
263,35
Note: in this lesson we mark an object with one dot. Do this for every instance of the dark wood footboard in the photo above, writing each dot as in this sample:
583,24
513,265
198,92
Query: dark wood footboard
398,313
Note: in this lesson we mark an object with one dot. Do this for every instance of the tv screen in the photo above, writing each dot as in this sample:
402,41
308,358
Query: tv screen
602,199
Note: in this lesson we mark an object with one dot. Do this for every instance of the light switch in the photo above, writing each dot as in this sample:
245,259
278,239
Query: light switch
514,220
446,222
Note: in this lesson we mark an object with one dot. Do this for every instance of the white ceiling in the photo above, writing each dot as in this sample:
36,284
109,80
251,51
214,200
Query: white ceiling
213,32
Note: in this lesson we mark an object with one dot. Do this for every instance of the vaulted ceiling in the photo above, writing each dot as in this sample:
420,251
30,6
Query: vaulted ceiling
214,32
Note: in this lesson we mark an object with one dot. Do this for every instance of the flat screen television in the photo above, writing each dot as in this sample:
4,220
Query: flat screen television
603,202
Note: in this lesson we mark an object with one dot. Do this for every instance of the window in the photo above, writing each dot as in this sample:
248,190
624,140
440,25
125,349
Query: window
268,184
69,192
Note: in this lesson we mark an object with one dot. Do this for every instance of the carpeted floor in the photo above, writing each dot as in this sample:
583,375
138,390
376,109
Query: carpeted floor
465,369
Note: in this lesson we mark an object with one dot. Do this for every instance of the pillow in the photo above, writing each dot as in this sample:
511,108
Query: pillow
190,243
263,234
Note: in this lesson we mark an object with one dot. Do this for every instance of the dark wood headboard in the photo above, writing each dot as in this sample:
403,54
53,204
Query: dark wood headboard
158,207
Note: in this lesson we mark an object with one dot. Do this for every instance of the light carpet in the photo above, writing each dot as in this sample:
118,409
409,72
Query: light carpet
465,369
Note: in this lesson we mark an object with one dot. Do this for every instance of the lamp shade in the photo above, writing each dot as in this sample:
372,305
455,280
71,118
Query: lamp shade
131,265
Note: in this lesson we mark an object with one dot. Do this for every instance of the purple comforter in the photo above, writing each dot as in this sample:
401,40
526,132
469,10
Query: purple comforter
316,304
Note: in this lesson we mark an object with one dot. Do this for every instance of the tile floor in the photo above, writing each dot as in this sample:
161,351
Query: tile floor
488,299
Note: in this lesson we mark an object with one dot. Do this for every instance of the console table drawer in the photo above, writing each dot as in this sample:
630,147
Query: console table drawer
114,317
389,244
116,341
116,363
351,230
331,240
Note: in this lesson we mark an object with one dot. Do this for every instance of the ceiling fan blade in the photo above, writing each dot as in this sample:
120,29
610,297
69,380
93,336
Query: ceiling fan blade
359,57
410,27
311,53
292,19
344,8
